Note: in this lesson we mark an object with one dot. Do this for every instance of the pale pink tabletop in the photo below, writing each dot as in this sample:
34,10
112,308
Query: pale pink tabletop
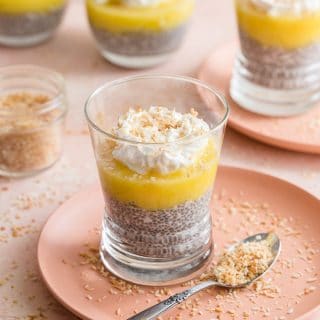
26,204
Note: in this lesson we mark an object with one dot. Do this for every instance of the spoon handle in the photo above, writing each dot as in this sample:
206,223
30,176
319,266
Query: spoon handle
154,311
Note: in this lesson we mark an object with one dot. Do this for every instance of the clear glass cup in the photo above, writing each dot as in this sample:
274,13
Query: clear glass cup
32,112
156,227
26,23
139,36
277,71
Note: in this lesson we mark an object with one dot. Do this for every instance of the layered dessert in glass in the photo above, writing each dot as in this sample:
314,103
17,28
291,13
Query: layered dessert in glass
157,165
277,71
159,196
29,22
139,33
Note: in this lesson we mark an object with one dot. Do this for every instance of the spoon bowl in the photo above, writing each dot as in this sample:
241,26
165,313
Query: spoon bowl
275,248
274,245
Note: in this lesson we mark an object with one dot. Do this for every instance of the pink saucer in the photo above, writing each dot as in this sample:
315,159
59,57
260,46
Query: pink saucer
245,202
298,133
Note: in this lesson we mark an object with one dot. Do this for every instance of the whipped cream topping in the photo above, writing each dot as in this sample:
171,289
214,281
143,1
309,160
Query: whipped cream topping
164,126
280,7
133,3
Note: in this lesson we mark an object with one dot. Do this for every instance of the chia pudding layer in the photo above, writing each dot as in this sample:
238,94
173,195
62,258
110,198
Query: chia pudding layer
167,233
140,43
279,68
29,23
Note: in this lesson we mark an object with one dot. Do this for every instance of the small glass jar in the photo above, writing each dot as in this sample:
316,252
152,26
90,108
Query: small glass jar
32,112
157,225
139,36
27,23
277,71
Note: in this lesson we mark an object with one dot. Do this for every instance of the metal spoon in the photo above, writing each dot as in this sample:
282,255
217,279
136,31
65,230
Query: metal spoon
156,310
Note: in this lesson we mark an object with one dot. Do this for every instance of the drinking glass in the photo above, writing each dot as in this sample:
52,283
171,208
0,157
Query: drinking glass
134,36
25,23
156,227
277,70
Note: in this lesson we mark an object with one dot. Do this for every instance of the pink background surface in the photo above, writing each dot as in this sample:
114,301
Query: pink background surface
72,52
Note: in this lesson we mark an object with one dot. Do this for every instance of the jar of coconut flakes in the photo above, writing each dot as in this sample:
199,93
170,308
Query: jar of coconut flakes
32,112
277,70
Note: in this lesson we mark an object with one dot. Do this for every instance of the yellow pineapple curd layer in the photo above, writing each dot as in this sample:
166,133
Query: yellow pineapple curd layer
22,6
117,17
155,191
289,31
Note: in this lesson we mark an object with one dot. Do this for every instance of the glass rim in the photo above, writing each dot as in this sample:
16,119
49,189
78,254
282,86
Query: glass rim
280,5
187,79
12,71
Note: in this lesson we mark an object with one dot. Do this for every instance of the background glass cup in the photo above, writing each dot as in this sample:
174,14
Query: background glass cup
139,37
277,71
156,227
26,23
31,138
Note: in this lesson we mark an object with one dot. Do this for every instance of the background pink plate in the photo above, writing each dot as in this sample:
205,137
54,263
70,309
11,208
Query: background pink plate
245,202
298,133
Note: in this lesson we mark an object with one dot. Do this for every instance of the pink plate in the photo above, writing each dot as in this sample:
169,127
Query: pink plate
245,202
298,133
